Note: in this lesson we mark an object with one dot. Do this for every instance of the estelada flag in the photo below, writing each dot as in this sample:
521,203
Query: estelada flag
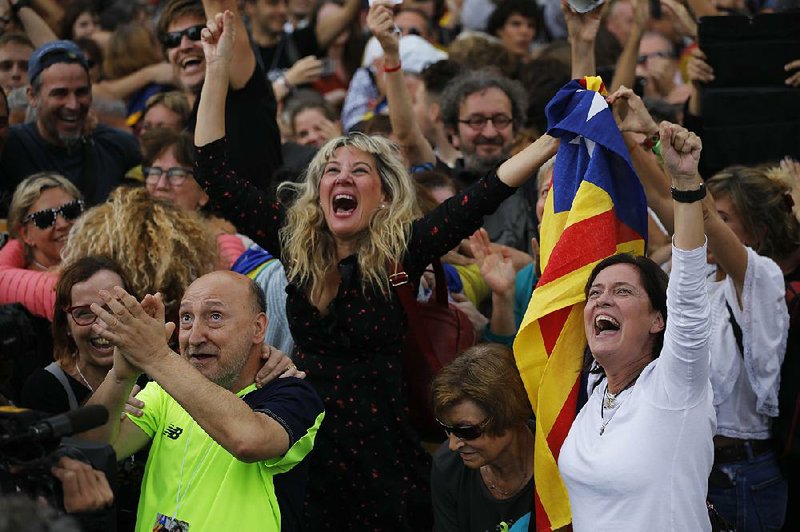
596,208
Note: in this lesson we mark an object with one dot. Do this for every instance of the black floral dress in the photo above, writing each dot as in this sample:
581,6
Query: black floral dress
368,470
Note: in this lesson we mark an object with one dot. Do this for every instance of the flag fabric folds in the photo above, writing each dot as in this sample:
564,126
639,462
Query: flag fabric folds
596,208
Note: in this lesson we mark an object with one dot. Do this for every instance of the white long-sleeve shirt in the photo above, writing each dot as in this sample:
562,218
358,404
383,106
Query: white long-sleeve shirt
649,468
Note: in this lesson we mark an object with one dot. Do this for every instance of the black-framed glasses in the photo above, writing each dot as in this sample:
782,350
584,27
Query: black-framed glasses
47,217
8,64
175,175
478,122
172,39
82,314
465,432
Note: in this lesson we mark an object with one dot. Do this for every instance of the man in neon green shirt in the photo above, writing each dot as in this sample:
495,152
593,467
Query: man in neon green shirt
217,440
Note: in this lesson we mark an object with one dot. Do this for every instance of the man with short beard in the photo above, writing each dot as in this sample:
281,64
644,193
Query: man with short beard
482,111
225,454
94,159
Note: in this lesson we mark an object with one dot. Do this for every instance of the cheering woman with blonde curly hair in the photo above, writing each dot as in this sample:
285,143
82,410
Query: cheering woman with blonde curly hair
353,214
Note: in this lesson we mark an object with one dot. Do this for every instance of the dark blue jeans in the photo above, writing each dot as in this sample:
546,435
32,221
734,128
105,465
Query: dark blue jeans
755,498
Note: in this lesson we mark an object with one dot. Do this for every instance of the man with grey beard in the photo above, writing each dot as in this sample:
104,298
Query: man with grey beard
94,157
482,112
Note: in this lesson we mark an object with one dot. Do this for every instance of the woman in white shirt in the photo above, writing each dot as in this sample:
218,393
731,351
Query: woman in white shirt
639,452
749,222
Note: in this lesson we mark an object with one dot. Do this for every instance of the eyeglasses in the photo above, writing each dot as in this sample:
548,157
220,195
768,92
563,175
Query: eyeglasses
410,30
172,39
478,122
465,432
642,59
175,175
8,64
82,314
47,217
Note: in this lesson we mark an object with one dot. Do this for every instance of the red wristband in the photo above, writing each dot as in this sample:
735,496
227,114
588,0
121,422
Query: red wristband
392,69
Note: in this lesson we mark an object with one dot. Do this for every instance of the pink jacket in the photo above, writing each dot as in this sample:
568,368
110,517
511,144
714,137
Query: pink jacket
36,290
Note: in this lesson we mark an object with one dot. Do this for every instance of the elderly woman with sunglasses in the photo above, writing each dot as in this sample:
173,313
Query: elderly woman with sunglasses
42,211
482,476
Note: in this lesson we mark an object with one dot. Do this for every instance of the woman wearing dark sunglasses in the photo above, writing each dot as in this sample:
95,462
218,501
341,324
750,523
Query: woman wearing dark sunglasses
482,475
43,209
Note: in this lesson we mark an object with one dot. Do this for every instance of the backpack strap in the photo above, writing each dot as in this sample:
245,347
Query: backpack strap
56,371
737,331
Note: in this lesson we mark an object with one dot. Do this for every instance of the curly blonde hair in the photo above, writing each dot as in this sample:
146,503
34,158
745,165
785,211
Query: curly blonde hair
159,247
308,245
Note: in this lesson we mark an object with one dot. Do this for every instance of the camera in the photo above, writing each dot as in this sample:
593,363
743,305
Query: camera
31,443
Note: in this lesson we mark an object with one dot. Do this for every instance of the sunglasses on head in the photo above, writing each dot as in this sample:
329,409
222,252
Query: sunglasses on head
465,432
47,217
172,39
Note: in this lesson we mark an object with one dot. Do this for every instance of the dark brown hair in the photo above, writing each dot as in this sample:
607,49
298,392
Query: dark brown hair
77,272
156,142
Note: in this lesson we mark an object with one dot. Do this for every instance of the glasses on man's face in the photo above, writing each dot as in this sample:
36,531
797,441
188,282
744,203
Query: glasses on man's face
47,217
478,122
175,175
409,30
172,39
8,64
465,432
83,315
642,59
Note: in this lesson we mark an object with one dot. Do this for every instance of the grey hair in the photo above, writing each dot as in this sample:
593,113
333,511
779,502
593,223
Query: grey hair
476,81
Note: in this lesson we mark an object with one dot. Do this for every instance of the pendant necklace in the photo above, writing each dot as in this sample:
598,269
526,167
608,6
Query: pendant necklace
78,367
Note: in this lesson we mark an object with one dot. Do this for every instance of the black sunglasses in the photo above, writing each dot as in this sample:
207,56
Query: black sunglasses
172,39
465,432
47,217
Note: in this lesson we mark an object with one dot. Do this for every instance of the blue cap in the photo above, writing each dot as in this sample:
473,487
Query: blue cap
52,53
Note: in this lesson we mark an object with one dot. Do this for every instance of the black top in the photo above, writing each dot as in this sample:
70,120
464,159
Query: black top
368,470
275,60
255,141
295,405
96,165
42,391
463,503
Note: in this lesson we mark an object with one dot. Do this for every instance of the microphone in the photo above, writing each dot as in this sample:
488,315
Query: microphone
55,427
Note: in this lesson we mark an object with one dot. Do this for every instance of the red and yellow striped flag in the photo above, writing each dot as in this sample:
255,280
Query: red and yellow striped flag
596,208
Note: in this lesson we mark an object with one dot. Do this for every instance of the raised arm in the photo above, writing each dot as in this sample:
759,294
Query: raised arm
249,436
218,40
516,171
582,30
242,58
330,27
35,26
401,113
636,125
247,206
625,71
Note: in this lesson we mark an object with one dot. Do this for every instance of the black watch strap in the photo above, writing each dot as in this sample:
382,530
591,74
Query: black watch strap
19,4
689,196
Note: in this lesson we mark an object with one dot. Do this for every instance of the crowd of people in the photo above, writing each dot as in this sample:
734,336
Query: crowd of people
210,207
